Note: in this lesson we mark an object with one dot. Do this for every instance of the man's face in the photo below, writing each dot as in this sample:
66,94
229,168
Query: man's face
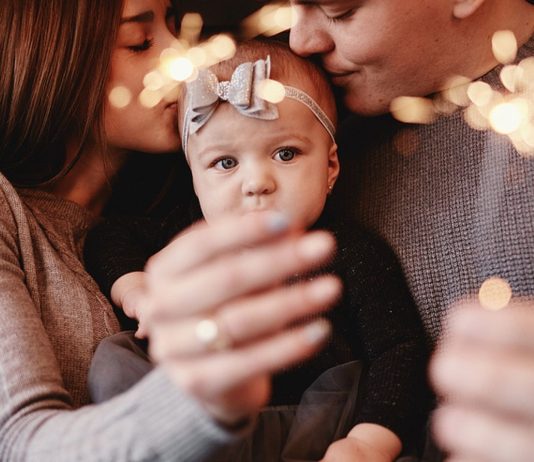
377,50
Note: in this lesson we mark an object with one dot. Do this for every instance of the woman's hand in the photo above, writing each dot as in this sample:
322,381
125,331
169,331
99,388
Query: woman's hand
484,370
218,314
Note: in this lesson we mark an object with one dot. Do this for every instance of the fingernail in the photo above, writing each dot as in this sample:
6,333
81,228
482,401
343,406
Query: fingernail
324,290
317,332
314,246
277,223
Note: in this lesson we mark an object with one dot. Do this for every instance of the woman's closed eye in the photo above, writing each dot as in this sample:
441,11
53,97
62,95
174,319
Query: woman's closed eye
286,154
144,46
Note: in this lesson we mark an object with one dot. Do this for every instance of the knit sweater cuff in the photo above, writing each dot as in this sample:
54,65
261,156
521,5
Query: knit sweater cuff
175,424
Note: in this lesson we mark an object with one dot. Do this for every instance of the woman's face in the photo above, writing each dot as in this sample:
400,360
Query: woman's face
147,28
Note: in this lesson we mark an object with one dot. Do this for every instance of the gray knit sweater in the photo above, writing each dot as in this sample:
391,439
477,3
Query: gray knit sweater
456,204
52,317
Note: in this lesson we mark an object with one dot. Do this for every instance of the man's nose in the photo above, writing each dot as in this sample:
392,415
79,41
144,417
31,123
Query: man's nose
309,35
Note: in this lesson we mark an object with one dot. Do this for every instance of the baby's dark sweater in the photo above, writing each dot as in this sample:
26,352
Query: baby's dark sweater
376,320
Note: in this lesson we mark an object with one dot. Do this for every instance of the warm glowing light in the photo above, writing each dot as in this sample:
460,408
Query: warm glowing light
504,45
413,110
197,56
511,76
506,118
284,18
120,97
456,90
222,46
180,69
480,93
269,20
475,118
149,98
527,133
153,81
272,91
495,294
191,27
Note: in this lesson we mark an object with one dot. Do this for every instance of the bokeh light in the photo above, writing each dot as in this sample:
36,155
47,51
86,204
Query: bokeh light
495,294
504,45
272,91
120,97
506,118
413,110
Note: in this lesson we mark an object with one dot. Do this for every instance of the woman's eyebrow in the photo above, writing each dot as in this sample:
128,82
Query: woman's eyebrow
146,16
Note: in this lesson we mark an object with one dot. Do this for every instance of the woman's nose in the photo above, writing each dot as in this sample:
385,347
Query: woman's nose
308,35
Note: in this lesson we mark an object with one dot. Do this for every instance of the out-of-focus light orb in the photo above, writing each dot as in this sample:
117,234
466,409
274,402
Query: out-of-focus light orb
269,20
456,90
495,294
475,118
284,17
415,110
511,76
480,93
191,27
153,81
149,98
222,46
506,118
120,97
197,56
271,91
180,69
527,133
504,45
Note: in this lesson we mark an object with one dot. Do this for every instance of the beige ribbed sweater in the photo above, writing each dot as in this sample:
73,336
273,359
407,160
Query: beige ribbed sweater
52,316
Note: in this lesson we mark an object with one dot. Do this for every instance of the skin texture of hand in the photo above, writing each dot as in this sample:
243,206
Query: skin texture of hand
232,272
484,371
365,443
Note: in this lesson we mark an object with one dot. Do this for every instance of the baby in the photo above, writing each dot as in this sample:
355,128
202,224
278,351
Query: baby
364,396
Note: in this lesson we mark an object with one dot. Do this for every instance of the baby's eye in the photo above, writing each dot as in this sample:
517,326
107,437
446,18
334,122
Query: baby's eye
226,164
142,46
285,154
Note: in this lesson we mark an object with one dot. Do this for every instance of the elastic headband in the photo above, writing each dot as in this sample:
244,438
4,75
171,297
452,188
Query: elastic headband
204,94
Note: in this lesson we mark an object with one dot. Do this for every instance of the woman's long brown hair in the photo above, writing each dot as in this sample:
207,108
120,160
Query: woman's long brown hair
54,63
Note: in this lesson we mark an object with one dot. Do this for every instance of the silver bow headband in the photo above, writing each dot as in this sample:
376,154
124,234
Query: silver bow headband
204,94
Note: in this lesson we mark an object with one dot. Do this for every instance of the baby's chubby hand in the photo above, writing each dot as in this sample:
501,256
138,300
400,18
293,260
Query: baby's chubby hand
365,443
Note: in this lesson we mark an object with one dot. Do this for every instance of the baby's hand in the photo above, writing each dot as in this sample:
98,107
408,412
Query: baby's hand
365,443
128,293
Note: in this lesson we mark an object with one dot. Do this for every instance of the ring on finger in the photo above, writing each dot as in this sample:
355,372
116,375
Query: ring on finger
211,336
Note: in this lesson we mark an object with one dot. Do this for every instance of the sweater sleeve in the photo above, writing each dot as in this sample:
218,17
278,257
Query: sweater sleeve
152,421
386,327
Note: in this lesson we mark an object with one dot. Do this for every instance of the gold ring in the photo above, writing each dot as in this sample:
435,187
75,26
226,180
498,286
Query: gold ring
210,335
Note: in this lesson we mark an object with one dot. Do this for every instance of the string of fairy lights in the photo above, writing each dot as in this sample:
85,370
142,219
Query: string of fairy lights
508,111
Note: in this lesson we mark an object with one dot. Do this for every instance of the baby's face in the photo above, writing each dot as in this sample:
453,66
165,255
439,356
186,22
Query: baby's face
242,165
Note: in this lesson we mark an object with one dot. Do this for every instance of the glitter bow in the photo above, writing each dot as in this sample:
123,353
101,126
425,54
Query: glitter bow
205,93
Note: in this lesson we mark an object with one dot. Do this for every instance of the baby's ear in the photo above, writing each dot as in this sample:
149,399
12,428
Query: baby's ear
333,166
465,8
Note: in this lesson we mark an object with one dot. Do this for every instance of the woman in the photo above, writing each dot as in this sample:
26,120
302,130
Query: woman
60,144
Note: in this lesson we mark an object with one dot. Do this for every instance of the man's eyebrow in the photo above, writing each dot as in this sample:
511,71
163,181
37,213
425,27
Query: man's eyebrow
146,16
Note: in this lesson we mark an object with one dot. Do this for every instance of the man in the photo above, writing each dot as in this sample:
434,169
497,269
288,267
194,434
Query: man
457,204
